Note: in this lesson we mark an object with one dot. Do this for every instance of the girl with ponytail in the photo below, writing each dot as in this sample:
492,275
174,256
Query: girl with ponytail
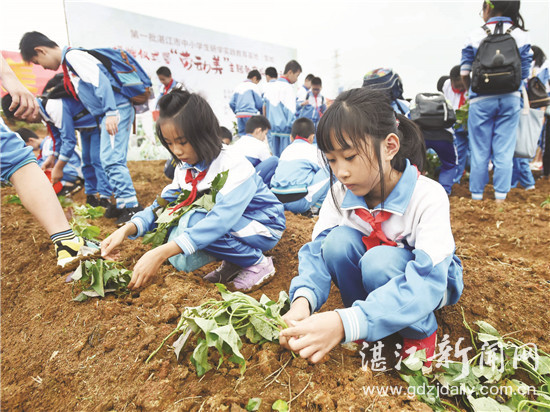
383,237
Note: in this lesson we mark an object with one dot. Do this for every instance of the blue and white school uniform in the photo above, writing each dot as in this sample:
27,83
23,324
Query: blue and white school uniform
401,107
72,170
14,153
257,153
385,289
65,116
461,135
93,85
280,108
245,103
314,110
522,173
300,171
493,118
301,96
246,220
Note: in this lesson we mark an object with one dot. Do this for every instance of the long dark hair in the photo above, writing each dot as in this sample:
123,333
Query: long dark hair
507,9
194,119
361,115
538,56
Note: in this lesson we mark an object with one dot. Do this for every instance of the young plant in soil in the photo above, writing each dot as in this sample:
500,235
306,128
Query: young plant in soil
494,379
97,277
221,324
169,214
79,222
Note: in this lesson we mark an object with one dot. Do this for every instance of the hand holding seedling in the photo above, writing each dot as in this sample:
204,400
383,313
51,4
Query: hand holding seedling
313,337
148,265
299,310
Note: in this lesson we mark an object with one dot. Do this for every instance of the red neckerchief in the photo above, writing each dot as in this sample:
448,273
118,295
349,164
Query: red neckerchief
462,96
193,195
167,88
67,80
286,78
301,138
377,236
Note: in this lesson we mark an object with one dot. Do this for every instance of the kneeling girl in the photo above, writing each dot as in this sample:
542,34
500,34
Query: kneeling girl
246,220
383,236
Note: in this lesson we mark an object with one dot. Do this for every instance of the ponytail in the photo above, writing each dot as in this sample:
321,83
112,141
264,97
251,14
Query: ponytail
412,145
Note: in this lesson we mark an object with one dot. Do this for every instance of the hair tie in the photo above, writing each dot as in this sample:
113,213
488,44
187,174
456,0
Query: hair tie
397,122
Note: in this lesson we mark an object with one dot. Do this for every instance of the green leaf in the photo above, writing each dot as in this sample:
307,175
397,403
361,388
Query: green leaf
218,183
91,232
205,202
487,404
415,361
229,336
155,237
264,328
252,335
280,406
13,199
487,328
485,337
544,365
81,297
97,283
199,358
253,404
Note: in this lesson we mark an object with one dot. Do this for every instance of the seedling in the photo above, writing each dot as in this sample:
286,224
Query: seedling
494,369
168,215
221,324
98,277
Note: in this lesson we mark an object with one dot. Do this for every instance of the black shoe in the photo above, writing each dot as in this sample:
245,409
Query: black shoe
127,213
92,200
104,202
112,211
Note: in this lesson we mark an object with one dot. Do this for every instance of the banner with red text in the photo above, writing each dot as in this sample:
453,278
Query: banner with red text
207,62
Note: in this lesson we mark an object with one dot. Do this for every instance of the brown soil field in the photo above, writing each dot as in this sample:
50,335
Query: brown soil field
62,355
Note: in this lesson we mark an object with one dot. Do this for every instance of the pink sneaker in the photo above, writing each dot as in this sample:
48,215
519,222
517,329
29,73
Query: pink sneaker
426,343
224,273
252,277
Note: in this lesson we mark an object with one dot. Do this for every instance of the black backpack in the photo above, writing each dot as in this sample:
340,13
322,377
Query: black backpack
536,91
432,111
497,64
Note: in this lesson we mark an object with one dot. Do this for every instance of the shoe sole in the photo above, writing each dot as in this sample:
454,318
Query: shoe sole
68,264
263,281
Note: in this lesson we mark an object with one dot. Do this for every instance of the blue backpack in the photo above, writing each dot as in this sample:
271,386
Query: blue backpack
127,76
385,79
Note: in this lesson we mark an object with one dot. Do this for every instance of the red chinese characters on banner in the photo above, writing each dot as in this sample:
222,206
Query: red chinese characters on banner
195,55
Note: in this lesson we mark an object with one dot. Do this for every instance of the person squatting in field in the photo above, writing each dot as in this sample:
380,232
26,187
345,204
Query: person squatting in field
383,236
246,220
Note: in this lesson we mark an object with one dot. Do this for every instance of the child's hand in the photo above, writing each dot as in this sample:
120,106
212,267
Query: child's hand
299,310
111,125
115,239
57,173
313,337
146,268
149,264
48,163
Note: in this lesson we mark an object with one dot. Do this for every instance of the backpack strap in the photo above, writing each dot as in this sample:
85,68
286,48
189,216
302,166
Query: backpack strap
487,30
512,27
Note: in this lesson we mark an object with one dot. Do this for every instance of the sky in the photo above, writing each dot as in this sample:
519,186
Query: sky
339,41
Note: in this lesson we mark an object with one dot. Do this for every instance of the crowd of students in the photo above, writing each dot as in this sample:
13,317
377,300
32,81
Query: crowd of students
383,235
